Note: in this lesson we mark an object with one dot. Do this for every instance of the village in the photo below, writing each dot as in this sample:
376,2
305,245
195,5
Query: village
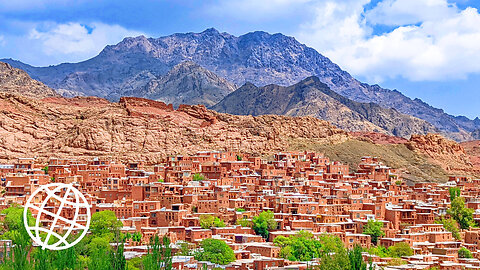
216,195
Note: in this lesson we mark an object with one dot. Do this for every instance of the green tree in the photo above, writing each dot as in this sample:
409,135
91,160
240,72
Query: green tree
380,251
244,222
13,228
137,237
356,259
304,247
159,255
45,169
134,263
336,261
464,253
240,210
462,214
263,223
42,259
100,259
400,249
198,177
454,193
374,229
209,221
117,258
215,251
217,222
451,225
105,223
65,259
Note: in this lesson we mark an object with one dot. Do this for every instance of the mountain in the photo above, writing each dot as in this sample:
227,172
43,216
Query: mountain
142,129
311,97
185,83
17,81
256,57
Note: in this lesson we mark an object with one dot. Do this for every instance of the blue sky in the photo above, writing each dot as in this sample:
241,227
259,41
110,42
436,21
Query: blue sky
428,49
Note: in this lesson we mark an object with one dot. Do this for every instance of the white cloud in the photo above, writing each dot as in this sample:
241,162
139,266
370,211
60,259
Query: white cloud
2,40
393,12
432,47
77,41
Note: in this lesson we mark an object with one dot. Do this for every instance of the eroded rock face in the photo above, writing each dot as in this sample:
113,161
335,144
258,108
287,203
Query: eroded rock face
447,153
378,138
137,128
17,81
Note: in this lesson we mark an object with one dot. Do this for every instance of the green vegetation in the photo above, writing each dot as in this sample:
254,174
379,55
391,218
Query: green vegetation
104,223
374,229
198,177
328,248
103,249
464,253
209,221
45,169
400,250
240,210
159,255
459,212
450,225
160,180
356,259
244,222
215,251
304,247
396,251
380,251
454,193
263,223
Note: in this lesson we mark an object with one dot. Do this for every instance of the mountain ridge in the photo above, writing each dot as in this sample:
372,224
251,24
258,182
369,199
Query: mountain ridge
259,57
313,98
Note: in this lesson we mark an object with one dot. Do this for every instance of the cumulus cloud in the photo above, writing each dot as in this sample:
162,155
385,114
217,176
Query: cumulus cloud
75,41
430,40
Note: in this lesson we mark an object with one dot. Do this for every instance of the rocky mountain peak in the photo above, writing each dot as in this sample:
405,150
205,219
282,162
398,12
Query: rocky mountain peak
257,57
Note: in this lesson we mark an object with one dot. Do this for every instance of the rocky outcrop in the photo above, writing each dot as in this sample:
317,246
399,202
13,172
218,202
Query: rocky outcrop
378,138
17,81
446,153
314,98
138,128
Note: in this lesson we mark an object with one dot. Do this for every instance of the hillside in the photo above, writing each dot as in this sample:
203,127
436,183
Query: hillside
17,81
144,129
256,57
310,97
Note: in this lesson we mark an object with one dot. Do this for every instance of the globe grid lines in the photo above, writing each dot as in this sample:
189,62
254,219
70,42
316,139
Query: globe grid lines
70,192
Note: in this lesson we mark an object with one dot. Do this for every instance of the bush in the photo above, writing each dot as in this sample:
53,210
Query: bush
198,177
215,251
263,223
400,250
464,253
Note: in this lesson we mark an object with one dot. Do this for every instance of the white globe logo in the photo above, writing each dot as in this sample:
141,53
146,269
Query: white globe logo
54,205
